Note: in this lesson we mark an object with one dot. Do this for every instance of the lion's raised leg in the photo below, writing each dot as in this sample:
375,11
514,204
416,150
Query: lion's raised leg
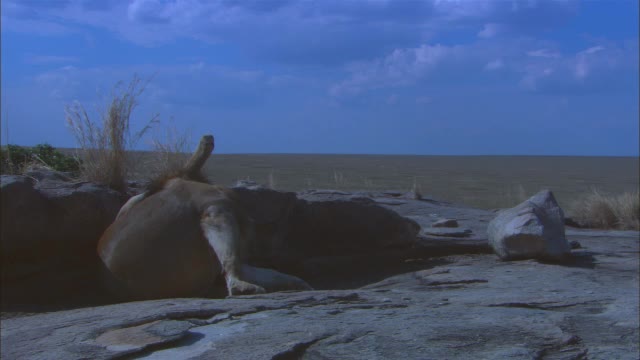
221,230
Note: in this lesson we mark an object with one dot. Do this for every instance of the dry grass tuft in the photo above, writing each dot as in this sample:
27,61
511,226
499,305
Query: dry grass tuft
271,180
171,151
628,210
597,210
104,142
416,190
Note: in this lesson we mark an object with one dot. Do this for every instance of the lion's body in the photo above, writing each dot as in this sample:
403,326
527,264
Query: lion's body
158,248
177,239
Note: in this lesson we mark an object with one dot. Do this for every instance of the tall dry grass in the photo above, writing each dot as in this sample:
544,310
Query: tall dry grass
598,210
104,141
171,149
416,190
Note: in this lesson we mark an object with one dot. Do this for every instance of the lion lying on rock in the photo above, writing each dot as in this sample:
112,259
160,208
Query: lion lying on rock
179,236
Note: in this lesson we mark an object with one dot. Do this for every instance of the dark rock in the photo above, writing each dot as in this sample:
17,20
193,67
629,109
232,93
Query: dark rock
320,227
248,184
571,222
49,175
270,211
323,192
50,230
83,211
26,221
532,230
291,231
390,201
448,232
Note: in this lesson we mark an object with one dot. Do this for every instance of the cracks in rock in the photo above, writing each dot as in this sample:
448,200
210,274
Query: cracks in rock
185,315
442,284
573,354
571,349
455,282
297,351
197,318
552,305
538,306
161,341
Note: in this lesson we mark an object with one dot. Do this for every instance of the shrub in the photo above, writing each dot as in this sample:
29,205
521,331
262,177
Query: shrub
55,159
597,210
104,143
16,159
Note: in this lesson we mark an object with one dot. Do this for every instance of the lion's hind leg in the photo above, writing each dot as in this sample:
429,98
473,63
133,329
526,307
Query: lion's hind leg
220,227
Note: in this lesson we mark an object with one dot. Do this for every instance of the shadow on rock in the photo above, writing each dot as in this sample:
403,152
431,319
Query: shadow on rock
583,259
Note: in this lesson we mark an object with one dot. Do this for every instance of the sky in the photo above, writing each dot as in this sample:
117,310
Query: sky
428,77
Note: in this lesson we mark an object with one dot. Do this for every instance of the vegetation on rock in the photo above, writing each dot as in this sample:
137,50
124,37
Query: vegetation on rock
16,159
598,210
104,141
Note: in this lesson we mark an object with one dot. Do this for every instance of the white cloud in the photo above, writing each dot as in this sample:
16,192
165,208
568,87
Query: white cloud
533,70
490,30
401,67
494,65
148,11
330,30
543,53
534,75
586,60
593,50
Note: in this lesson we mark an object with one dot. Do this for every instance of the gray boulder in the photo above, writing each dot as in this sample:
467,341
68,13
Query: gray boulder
532,230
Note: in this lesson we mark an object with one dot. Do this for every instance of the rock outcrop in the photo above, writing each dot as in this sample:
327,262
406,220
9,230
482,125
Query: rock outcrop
50,229
48,236
388,285
453,307
447,223
532,230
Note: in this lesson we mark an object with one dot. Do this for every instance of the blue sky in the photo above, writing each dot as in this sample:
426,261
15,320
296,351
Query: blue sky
438,77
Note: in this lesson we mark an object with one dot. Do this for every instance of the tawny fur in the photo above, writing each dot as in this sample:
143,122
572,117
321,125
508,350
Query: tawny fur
180,236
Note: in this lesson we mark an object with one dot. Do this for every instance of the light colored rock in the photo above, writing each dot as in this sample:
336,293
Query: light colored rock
456,307
532,230
449,223
442,298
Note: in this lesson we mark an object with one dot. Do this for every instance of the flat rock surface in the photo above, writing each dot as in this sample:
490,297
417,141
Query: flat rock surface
455,307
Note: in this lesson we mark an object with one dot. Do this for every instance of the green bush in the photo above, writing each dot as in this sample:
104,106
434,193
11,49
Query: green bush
55,159
16,159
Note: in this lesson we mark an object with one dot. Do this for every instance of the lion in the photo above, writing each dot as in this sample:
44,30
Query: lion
182,234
